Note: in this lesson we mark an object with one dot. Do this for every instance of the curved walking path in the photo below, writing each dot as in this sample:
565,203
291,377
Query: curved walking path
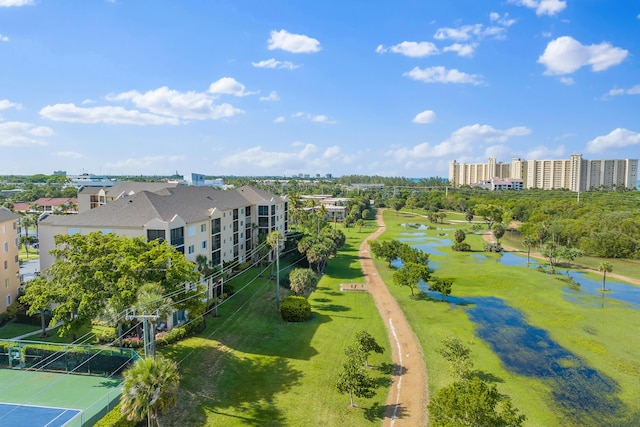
408,396
488,237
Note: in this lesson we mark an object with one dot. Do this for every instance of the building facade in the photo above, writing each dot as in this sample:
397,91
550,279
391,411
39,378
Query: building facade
575,174
223,225
9,263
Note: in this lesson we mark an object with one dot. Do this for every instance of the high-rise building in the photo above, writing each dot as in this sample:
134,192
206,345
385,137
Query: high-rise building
575,174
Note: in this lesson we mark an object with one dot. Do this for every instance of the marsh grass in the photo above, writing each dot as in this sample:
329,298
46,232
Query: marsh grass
604,339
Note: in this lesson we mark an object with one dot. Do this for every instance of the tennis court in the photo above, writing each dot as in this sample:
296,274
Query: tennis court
31,416
32,398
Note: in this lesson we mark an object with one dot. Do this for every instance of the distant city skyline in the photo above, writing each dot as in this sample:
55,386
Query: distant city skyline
253,88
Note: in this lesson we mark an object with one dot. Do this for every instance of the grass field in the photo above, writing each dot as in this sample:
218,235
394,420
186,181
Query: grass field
605,340
12,330
250,368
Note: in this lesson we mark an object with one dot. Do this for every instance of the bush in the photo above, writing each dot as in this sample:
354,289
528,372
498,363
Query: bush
492,247
295,309
461,247
107,336
115,418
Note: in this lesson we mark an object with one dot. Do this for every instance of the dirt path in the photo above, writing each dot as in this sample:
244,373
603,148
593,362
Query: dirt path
488,237
408,397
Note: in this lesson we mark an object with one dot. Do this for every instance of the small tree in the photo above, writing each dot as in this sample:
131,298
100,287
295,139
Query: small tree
473,403
442,285
41,294
352,379
529,241
150,387
552,251
303,281
605,268
410,275
367,344
469,215
498,231
459,357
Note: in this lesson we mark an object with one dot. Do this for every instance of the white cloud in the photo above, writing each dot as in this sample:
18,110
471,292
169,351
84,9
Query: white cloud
543,7
541,153
4,38
567,81
258,157
565,55
462,141
461,49
144,162
411,49
442,75
294,43
185,105
107,114
318,118
88,101
279,119
228,86
273,96
10,3
617,138
273,63
635,90
466,32
69,154
502,20
427,116
5,104
21,134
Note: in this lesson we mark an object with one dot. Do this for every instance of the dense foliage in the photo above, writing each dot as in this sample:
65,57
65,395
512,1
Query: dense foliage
295,309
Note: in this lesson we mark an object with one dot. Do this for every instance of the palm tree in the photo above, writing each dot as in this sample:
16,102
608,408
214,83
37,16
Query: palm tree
273,239
605,268
529,241
150,387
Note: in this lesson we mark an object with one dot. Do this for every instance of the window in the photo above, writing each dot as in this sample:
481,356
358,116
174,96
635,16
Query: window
8,300
6,282
6,265
191,230
247,211
203,228
263,210
177,236
6,247
107,231
156,234
204,244
215,226
72,231
4,229
273,209
191,249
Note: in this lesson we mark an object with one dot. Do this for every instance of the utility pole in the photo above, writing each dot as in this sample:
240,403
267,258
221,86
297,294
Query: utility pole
278,273
148,331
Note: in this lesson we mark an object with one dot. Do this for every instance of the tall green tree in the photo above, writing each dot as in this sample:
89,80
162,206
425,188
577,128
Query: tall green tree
498,231
459,357
386,249
528,241
410,275
149,388
443,285
94,271
39,295
605,268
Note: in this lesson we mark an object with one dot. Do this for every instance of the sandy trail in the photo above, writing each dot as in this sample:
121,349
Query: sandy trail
408,396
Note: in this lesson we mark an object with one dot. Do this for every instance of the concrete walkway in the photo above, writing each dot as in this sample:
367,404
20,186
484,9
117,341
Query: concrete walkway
21,337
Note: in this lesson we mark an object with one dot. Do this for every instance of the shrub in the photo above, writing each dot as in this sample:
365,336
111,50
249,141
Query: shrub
295,309
461,247
107,336
492,247
115,418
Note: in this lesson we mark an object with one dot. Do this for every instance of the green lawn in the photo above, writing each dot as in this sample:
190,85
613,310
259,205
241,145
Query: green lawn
606,340
22,254
250,368
12,330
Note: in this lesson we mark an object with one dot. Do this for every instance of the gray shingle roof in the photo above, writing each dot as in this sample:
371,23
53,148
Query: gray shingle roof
193,204
7,215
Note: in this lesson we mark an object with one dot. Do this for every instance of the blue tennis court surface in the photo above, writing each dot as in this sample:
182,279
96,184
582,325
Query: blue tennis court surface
34,416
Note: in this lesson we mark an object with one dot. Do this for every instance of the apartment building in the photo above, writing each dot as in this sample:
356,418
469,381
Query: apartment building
9,264
223,225
575,174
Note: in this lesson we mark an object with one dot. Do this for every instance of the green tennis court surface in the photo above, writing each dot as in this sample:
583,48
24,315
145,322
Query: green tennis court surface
91,396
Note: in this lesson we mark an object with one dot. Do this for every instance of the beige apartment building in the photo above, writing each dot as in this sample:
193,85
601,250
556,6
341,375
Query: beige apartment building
9,263
223,225
575,174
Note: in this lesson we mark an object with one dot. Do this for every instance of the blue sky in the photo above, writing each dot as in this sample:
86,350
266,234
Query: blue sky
392,88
